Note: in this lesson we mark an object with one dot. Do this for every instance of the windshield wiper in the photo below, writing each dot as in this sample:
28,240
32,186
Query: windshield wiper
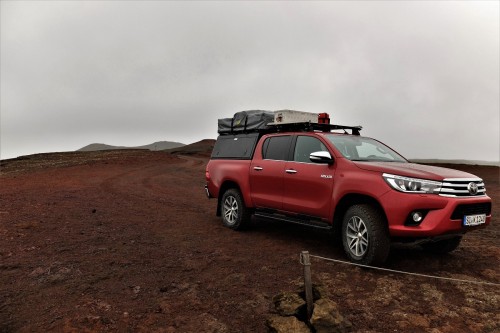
380,160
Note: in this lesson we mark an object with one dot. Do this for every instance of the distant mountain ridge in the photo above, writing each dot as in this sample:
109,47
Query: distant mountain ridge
205,147
439,161
160,145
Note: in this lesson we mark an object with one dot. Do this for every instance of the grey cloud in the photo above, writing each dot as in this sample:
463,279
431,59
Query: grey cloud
413,73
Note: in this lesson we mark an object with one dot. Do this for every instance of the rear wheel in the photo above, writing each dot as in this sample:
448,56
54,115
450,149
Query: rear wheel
443,246
234,213
364,235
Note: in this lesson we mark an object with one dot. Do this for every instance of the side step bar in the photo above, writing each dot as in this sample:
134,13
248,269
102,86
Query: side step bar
301,219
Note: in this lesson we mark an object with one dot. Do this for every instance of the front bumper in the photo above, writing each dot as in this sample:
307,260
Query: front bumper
443,214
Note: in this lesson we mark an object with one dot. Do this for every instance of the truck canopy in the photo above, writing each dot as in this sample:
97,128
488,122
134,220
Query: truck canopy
235,146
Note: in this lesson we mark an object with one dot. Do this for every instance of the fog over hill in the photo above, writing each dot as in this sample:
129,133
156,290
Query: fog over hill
160,145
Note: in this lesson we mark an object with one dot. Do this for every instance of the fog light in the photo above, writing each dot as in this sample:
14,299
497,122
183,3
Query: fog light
417,217
414,218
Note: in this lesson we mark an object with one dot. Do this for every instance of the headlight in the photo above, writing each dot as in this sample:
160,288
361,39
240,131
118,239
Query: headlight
412,185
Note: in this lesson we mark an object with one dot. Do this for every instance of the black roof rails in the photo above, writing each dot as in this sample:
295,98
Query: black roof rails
295,127
309,127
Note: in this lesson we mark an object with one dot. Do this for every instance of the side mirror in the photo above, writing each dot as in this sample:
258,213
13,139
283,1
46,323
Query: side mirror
322,157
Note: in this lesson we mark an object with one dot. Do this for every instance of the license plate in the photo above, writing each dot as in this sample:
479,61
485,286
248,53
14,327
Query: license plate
471,220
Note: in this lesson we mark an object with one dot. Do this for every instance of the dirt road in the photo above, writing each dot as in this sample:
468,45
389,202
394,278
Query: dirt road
127,241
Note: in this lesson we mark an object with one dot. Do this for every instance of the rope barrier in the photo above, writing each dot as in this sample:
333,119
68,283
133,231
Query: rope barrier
402,272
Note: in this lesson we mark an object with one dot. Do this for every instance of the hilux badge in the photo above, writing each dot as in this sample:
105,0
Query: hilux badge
326,176
472,187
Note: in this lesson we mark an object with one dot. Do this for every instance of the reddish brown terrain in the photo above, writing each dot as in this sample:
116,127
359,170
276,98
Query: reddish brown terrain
127,241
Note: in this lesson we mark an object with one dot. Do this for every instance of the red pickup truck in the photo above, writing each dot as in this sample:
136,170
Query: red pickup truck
308,173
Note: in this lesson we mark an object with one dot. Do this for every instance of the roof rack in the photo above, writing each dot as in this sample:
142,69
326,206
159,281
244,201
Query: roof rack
296,127
263,122
310,127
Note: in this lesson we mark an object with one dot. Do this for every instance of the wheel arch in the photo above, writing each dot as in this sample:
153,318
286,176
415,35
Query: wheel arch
349,200
228,184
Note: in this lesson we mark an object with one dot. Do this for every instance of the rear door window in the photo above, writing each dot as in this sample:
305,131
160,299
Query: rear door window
240,146
277,148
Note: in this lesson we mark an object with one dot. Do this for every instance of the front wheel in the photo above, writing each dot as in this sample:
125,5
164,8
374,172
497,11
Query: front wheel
364,235
234,213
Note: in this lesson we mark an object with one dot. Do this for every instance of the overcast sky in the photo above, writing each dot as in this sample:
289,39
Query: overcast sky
421,76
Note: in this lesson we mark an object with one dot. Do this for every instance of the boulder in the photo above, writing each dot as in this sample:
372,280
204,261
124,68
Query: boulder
326,318
288,304
278,324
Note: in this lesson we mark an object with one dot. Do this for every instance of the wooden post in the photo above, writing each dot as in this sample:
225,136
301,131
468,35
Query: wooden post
307,283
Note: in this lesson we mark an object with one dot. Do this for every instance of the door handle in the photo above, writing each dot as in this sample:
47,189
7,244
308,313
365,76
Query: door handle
290,171
258,168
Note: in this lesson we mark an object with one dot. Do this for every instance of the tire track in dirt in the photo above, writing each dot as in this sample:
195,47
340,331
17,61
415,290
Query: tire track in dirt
163,183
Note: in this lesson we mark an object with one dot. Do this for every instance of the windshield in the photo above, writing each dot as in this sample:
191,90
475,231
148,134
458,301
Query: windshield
357,148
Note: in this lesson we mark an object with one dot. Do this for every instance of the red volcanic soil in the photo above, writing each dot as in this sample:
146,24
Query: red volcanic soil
127,241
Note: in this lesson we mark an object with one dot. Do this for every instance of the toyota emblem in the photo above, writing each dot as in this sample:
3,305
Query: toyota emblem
472,187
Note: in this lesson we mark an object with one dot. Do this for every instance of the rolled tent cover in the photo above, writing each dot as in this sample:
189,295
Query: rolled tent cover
244,121
225,125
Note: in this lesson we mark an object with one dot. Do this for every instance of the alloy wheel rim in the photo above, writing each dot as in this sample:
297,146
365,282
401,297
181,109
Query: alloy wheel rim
230,209
357,236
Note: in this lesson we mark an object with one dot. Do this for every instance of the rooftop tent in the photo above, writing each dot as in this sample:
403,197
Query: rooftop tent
252,120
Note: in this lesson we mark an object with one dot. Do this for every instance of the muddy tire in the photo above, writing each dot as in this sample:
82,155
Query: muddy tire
233,211
365,236
442,246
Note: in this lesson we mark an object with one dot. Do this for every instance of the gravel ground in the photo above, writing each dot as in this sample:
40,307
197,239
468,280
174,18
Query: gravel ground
127,241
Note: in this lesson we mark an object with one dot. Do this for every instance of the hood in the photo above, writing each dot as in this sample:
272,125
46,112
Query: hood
413,170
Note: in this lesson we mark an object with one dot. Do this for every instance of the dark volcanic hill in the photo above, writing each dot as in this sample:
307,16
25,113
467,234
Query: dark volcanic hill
160,145
203,147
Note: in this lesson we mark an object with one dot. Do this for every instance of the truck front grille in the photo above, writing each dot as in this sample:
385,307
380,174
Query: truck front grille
462,187
471,209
